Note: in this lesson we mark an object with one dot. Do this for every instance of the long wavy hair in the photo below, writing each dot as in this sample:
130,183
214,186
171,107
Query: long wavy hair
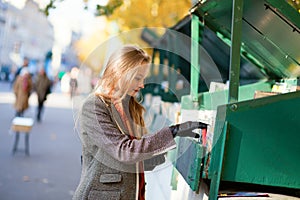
119,72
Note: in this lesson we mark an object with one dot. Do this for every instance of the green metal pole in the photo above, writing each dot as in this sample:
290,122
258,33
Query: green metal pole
236,34
195,67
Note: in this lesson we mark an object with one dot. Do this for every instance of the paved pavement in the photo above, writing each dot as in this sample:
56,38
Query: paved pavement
52,170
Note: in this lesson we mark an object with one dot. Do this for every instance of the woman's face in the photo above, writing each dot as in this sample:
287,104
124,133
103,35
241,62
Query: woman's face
138,80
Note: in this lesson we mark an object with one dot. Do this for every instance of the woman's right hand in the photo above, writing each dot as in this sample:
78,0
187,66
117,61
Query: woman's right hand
186,129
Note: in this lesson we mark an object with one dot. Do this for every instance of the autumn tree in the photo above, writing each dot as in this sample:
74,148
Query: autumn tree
131,14
150,13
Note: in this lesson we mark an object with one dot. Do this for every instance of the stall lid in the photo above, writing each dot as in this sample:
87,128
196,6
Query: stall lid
270,32
213,52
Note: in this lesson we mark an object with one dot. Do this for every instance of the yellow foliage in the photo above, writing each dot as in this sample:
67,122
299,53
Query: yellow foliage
150,13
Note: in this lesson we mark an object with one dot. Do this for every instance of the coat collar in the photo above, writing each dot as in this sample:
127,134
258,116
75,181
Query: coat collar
116,115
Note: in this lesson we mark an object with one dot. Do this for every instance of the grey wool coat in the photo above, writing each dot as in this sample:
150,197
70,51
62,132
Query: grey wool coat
110,158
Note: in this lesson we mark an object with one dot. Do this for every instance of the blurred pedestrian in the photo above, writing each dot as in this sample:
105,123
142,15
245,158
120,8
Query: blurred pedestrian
42,87
18,71
73,81
116,148
73,86
22,88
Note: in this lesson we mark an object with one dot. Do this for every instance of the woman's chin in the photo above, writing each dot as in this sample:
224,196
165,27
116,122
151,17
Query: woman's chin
132,93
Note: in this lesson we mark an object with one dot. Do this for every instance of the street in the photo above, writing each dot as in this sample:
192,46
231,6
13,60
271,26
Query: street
52,170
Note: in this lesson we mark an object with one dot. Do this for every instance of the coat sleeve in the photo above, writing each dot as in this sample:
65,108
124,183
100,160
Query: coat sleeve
97,124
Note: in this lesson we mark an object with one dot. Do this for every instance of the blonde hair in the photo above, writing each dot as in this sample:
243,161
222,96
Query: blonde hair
120,71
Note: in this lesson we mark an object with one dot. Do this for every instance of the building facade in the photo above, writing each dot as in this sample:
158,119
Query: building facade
24,32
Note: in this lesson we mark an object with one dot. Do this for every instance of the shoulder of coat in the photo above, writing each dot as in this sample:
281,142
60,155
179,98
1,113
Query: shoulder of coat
106,101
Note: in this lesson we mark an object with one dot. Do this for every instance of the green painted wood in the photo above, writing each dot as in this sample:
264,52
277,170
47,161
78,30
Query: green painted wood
235,50
195,66
217,160
265,45
210,101
257,137
262,144
286,10
188,161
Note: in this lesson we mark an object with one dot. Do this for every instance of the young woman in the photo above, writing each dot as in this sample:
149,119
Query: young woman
114,139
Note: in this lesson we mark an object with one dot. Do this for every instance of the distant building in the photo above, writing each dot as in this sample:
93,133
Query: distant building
3,22
24,33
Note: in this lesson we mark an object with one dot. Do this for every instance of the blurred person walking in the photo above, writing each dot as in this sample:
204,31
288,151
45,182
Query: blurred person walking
73,81
18,71
22,88
42,87
116,149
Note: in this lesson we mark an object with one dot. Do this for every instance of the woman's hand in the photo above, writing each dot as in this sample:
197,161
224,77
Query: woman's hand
186,129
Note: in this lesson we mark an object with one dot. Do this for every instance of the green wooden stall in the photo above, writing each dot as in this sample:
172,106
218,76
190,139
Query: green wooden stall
255,144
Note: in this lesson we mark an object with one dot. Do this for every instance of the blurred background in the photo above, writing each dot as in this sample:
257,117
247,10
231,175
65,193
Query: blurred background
69,39
61,34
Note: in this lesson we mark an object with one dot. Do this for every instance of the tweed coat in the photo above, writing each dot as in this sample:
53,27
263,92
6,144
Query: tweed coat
110,158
